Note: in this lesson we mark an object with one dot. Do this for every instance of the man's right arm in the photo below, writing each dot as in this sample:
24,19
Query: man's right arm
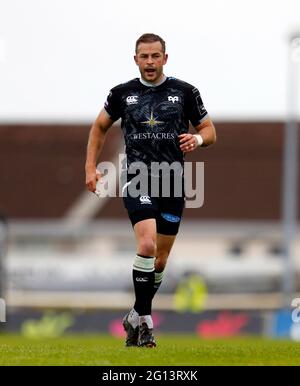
94,147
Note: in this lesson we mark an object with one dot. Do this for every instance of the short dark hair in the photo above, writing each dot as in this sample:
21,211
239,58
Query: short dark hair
150,38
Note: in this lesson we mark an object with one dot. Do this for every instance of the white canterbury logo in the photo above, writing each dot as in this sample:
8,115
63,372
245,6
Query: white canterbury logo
173,99
145,200
132,100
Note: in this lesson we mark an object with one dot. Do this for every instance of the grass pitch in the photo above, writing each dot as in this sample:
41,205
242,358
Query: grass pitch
172,350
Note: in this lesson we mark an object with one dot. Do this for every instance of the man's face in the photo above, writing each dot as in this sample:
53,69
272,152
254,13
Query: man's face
151,59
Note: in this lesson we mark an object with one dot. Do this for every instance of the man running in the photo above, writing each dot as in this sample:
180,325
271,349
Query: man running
155,112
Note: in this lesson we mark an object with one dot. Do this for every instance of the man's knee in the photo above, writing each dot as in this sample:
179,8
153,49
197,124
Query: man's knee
147,247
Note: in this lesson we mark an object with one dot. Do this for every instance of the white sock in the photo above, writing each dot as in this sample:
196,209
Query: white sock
146,319
133,318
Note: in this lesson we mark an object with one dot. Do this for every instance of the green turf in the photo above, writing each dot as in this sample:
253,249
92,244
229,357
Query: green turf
101,350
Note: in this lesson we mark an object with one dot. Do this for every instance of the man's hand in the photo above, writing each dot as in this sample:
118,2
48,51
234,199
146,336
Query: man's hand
188,142
92,177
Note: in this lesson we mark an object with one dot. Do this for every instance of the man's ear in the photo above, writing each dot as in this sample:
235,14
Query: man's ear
135,59
166,58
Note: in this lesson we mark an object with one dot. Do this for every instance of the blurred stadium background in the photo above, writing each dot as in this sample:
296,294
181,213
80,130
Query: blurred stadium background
65,255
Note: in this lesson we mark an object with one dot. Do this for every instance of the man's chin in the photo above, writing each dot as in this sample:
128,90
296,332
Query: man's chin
150,78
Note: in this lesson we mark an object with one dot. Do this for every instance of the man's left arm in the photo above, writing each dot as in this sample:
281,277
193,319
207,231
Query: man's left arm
206,136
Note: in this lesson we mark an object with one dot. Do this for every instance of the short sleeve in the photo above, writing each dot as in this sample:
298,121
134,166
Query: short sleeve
113,105
195,109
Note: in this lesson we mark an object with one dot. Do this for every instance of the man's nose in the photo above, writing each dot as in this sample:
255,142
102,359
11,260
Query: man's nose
149,60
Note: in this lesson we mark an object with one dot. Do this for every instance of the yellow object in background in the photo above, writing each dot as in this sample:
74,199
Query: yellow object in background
191,294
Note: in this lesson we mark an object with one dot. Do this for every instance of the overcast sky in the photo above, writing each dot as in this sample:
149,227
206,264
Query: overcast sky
59,58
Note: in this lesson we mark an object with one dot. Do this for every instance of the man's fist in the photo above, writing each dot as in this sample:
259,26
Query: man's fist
92,176
187,142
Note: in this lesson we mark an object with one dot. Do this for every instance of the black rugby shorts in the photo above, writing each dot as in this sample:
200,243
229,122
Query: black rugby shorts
167,211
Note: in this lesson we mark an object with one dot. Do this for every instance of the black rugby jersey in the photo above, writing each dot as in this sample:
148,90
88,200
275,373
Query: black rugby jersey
152,117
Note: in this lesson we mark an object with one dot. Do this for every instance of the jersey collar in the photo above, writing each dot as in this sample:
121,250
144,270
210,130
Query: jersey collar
145,83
